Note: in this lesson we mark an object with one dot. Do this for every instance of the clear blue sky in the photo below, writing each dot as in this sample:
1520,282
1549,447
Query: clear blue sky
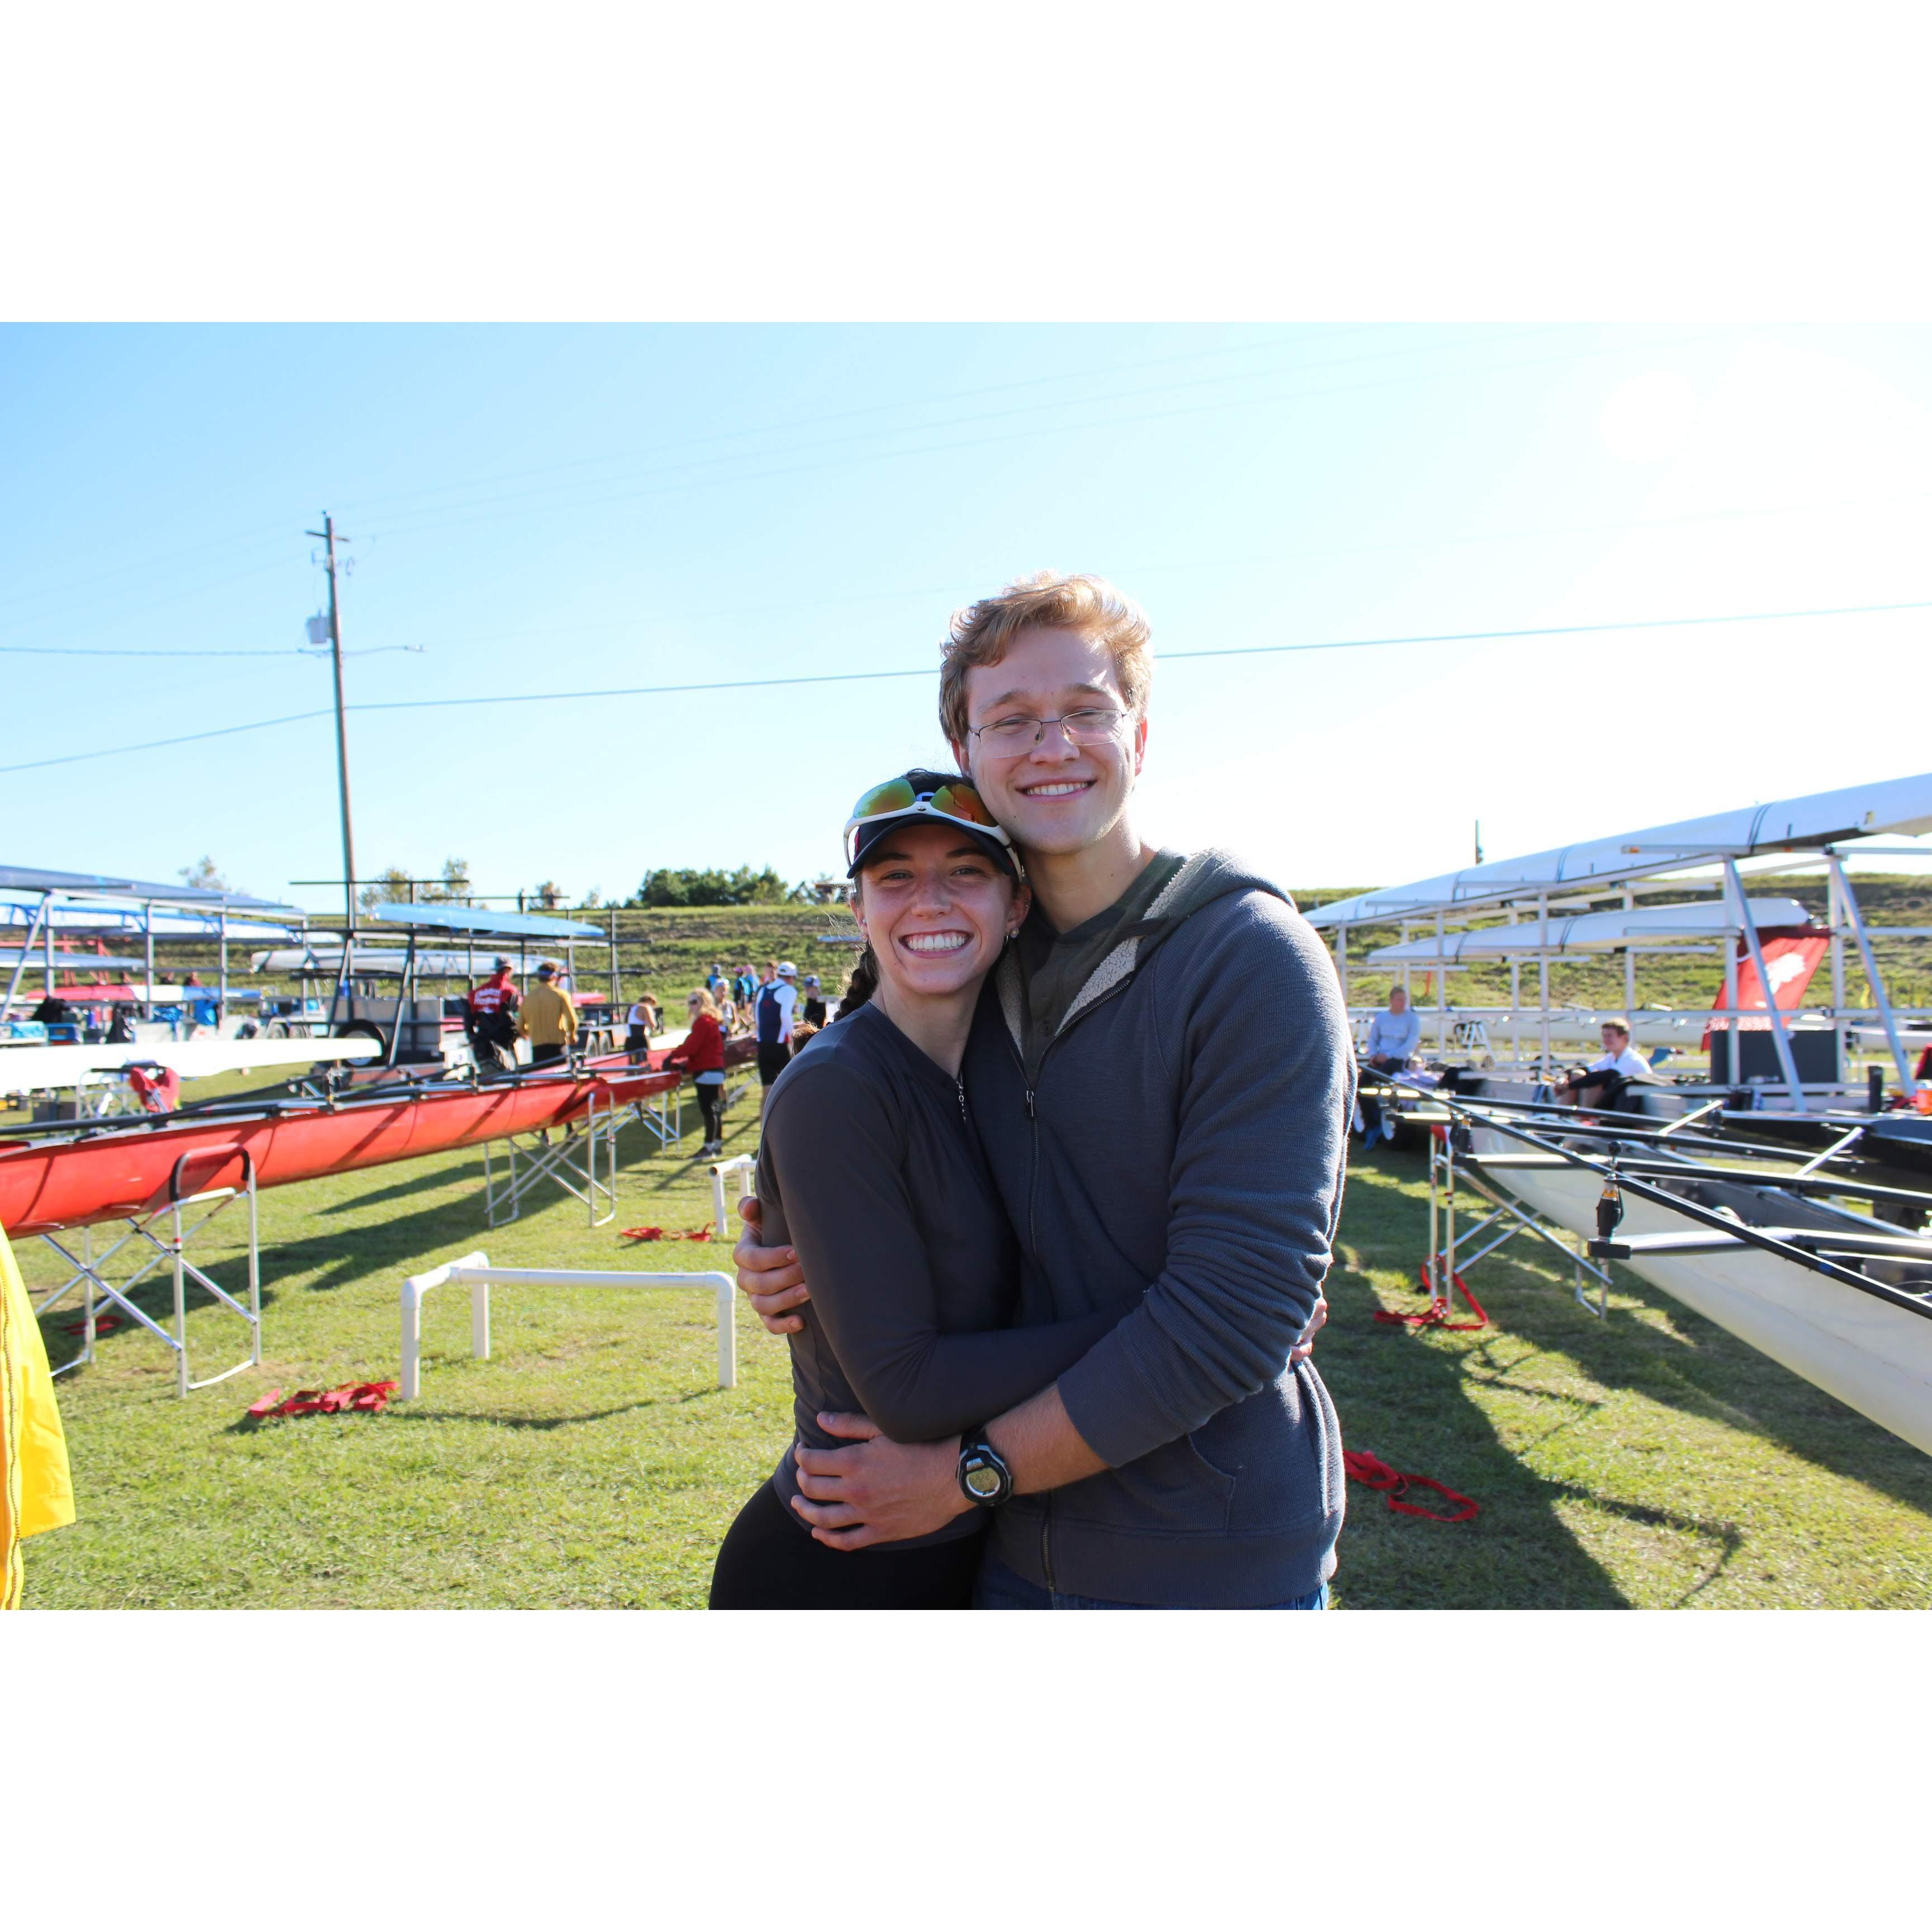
552,509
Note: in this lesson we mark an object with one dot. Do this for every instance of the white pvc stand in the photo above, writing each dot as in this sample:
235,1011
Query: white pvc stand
744,1166
476,1271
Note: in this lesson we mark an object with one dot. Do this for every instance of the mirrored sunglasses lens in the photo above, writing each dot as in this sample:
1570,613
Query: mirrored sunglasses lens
895,795
961,801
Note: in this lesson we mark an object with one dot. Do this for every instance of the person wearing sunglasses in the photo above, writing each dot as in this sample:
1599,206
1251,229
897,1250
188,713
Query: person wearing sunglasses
870,1167
1167,1148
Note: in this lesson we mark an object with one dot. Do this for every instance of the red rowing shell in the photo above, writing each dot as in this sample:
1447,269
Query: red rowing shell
104,1177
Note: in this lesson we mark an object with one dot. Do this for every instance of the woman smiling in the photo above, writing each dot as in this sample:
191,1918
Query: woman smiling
870,1168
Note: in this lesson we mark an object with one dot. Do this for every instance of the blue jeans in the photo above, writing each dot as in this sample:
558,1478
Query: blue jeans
1000,1588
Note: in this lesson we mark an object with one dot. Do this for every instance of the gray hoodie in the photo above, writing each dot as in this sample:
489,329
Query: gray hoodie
1176,1151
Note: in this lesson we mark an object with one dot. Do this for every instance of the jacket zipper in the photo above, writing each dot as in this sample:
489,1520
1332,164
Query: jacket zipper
1033,1200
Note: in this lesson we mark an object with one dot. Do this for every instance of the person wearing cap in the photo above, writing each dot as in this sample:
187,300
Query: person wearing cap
491,1019
548,1020
813,1001
778,998
869,1163
1167,1148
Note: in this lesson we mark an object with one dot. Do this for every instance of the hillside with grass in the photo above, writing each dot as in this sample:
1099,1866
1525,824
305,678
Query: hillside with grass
666,950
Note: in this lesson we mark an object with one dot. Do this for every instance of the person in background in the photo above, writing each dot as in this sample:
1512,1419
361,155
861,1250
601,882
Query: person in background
1602,1083
202,1009
637,1028
702,1056
1393,1037
548,1020
490,1020
745,987
714,980
778,999
728,1009
814,1004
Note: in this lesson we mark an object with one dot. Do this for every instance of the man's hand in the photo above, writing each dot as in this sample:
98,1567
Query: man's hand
1305,1347
879,1491
770,1279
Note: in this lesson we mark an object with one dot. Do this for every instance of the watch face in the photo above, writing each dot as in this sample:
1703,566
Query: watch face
983,1480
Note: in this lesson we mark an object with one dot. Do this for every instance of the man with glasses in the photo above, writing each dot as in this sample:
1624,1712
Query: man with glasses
1165,1146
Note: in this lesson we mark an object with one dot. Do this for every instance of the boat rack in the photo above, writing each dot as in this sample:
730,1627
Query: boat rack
1637,1157
570,1160
169,1249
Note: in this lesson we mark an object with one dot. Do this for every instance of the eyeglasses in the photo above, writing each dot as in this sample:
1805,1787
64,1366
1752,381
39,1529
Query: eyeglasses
896,799
1092,724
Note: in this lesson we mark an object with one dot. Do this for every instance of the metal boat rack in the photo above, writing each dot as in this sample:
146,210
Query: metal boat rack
1638,1155
571,1159
168,1248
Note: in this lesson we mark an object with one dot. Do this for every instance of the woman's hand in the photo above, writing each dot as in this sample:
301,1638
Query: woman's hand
1304,1346
878,1491
770,1279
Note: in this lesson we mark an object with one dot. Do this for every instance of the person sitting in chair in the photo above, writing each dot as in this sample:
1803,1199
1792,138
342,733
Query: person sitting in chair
1393,1037
1602,1083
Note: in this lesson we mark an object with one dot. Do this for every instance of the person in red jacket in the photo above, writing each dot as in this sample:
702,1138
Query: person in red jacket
702,1056
492,1021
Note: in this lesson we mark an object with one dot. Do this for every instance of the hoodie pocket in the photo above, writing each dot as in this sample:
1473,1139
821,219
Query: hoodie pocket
1173,1491
1279,1453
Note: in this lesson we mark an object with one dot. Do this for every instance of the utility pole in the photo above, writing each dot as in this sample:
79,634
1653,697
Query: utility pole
327,533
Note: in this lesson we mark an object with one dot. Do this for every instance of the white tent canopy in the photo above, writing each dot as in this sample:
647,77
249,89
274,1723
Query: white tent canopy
1893,806
1588,932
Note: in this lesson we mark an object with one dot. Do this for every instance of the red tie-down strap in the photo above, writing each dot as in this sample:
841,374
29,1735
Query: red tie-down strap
1371,1470
370,1398
1439,1306
103,1324
642,1234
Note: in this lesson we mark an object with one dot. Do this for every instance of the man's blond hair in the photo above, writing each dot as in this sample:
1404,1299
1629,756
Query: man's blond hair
1048,600
1617,1023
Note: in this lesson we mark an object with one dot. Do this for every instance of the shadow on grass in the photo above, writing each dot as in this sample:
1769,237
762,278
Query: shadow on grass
1404,1395
471,1172
1703,1370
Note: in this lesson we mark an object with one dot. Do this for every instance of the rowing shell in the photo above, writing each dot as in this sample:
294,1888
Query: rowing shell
1874,1355
131,1169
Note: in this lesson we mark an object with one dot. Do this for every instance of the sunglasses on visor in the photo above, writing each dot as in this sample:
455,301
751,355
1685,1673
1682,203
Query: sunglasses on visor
896,799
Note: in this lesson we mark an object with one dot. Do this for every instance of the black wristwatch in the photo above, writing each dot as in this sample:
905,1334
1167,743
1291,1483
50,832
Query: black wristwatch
985,1481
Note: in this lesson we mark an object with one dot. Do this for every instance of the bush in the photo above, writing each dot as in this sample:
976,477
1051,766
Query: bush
712,888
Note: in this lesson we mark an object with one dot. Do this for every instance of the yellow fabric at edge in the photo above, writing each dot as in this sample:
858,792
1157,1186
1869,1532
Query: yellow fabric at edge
36,1490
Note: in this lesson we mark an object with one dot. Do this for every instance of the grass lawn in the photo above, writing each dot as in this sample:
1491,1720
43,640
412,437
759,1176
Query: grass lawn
1647,1460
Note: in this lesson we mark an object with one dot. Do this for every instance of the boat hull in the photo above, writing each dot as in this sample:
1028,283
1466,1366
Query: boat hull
108,1176
1871,1354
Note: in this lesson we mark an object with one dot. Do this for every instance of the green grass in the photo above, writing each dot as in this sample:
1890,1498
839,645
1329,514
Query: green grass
1647,1460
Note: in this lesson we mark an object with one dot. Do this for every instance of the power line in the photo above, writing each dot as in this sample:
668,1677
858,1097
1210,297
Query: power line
630,494
159,744
931,670
268,537
916,403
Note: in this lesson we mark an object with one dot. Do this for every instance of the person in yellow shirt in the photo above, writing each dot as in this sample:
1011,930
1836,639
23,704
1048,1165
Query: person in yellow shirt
36,1490
547,1019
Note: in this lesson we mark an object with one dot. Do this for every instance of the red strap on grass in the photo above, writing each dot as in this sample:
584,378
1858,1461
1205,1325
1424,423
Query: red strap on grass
642,1234
699,1234
1439,1306
1369,1469
370,1398
103,1324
